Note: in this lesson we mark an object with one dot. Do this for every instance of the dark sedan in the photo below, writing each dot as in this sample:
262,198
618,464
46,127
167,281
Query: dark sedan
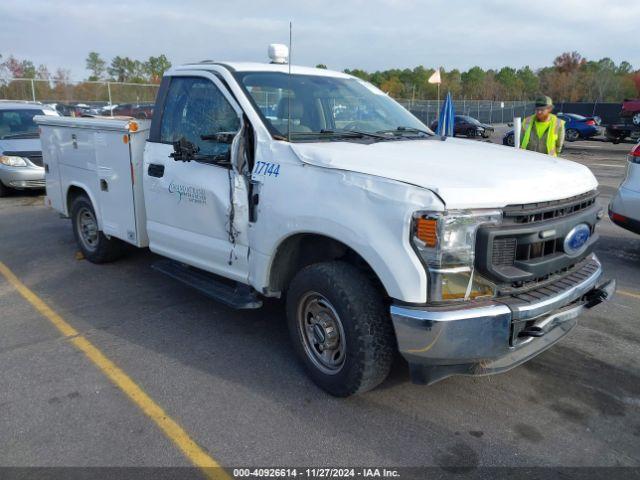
136,110
467,126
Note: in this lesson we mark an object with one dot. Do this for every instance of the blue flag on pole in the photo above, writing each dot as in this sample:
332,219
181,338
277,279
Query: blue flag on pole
447,114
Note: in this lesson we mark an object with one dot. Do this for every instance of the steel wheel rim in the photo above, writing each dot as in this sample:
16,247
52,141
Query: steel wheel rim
87,228
321,333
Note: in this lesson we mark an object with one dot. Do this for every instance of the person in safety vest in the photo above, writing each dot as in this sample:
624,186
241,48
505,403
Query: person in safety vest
543,132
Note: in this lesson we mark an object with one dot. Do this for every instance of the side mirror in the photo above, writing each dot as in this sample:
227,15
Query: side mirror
184,150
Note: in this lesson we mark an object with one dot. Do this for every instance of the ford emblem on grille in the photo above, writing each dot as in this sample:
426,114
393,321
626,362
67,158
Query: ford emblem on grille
576,240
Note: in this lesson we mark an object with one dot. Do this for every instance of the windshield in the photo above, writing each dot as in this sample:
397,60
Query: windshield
470,120
318,105
18,123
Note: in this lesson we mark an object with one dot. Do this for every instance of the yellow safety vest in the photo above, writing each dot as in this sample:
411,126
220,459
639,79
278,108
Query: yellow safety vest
552,133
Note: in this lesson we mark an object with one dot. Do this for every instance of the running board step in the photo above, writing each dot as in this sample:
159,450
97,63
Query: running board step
237,296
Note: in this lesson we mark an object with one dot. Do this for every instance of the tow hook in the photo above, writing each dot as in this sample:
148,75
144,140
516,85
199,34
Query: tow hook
532,331
600,294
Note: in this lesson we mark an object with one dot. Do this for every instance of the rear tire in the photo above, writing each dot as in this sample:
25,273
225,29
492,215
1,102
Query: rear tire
95,245
572,135
340,328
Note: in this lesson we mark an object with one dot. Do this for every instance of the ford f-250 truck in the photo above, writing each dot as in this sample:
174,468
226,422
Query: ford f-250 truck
266,180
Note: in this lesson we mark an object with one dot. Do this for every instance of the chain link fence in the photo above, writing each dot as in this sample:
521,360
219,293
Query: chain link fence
113,93
91,93
486,111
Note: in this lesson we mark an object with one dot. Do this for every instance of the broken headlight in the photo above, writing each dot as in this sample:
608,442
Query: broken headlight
446,243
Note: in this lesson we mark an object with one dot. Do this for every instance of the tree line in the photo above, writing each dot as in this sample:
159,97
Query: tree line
119,69
571,78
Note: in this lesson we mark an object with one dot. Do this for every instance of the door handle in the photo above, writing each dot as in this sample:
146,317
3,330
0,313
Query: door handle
155,170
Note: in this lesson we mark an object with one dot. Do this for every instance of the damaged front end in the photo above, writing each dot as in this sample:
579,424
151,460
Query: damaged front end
530,272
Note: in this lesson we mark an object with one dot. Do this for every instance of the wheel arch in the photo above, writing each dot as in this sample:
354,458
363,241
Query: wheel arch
301,249
74,190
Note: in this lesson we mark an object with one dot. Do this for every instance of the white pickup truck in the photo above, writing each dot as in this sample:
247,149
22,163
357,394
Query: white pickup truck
273,180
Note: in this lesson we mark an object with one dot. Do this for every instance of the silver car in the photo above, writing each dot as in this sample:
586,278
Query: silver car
20,151
624,209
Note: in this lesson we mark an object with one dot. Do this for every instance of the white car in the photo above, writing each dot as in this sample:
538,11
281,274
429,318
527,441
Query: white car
469,258
624,209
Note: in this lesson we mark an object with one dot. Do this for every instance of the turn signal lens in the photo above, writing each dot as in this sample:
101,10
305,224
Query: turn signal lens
427,231
133,126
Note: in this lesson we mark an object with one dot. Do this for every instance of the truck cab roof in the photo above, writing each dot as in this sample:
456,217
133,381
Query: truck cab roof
259,67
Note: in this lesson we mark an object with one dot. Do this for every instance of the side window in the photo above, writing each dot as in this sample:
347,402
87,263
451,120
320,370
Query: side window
195,108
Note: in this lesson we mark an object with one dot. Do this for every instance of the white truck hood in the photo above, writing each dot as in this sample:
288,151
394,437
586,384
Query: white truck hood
464,173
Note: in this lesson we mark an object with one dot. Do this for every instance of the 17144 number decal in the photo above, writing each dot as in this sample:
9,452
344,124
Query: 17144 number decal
267,168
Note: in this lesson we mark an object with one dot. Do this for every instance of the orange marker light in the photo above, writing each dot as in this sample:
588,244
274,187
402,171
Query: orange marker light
427,231
125,138
133,126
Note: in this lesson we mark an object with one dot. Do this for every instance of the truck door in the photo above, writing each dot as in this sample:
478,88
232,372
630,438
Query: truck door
197,210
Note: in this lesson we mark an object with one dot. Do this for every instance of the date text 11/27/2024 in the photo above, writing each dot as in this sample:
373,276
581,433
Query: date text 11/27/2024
313,473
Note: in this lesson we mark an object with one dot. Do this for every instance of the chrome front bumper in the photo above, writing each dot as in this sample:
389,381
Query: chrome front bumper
493,337
22,177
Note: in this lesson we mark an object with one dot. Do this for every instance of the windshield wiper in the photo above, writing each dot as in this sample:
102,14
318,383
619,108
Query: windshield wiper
400,130
21,135
342,134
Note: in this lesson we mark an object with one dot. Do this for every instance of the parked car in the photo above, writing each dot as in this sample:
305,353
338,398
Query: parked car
624,209
135,110
629,124
20,151
74,109
631,111
576,127
467,126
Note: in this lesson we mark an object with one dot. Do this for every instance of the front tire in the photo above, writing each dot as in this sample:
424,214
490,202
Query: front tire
510,141
4,191
340,328
95,245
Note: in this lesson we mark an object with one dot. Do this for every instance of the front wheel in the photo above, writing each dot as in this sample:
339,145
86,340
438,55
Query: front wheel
510,141
4,191
340,328
95,245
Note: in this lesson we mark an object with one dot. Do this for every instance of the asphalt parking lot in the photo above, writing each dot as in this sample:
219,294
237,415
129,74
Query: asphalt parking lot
230,380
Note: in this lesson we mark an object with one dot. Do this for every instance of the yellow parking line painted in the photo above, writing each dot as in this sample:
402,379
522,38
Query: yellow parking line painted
628,294
136,394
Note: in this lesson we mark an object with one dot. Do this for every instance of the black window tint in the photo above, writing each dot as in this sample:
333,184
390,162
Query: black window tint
195,107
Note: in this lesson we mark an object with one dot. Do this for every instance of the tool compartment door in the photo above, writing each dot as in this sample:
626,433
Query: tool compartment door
115,184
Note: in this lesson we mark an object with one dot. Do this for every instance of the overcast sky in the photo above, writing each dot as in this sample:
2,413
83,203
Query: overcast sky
369,34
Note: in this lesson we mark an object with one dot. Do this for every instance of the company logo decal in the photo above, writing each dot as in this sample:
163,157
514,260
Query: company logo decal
190,193
576,239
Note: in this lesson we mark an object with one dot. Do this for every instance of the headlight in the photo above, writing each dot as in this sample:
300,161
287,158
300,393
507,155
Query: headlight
446,243
12,161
